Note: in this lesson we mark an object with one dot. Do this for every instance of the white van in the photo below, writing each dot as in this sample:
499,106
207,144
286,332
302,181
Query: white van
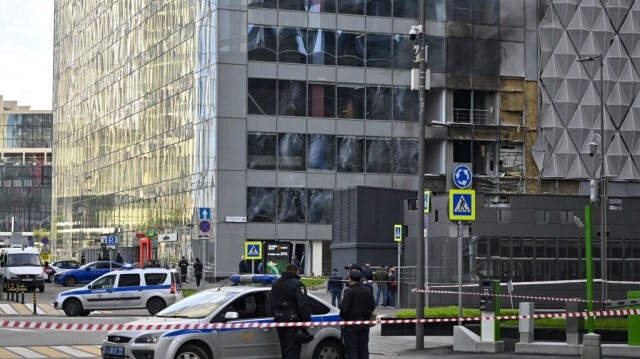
22,266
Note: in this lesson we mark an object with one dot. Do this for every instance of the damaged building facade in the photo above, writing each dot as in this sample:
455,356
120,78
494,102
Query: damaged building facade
260,109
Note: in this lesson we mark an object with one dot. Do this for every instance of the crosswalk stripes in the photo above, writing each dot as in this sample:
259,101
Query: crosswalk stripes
41,309
55,351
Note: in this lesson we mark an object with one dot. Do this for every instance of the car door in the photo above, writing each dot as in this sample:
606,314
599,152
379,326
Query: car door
101,293
86,274
128,292
254,342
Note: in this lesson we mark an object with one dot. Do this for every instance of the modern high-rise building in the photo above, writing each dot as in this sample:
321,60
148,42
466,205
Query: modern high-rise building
257,110
25,170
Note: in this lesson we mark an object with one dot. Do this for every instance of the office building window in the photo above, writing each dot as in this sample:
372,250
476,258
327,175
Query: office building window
292,98
437,52
321,152
351,49
566,216
262,43
405,156
261,204
350,154
354,7
261,151
406,8
504,215
322,100
322,47
379,103
350,102
271,4
262,96
322,5
403,53
542,216
299,5
379,8
378,50
320,208
291,151
378,157
292,45
406,104
292,205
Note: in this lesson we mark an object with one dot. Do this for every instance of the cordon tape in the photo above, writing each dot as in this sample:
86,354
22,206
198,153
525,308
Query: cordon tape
175,326
509,296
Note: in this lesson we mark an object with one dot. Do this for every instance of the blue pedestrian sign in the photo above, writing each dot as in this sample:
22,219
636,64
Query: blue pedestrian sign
462,177
252,250
462,205
427,195
111,240
205,213
397,233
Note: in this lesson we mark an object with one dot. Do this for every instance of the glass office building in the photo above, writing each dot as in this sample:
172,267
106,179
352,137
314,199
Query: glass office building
25,170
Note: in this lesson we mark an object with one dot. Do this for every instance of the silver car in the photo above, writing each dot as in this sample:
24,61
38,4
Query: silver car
152,288
237,304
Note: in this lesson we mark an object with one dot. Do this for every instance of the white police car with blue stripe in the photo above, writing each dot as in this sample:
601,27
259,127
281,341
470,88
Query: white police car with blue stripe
231,304
151,288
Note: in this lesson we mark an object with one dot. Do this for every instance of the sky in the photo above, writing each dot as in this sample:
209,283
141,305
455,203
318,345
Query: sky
26,52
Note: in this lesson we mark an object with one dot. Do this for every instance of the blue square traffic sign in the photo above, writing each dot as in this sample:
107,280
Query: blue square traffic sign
205,213
462,204
111,240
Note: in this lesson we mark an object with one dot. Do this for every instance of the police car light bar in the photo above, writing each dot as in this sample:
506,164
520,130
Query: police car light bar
253,278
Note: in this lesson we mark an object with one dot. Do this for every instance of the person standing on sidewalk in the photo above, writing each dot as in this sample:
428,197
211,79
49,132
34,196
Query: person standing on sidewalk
243,267
197,270
357,304
381,277
335,286
290,304
184,266
392,287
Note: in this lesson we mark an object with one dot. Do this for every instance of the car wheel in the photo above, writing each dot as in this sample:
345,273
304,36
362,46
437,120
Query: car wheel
72,307
51,278
191,352
85,313
155,305
41,289
70,281
328,349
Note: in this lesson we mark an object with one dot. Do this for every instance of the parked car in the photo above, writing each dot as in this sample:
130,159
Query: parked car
153,289
86,273
59,267
237,304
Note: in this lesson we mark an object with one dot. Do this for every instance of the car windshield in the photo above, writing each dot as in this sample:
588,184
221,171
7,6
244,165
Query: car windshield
197,306
24,259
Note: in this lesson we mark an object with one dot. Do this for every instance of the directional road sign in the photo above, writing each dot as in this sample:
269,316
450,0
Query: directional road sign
252,250
111,240
204,226
427,197
462,176
205,213
462,205
397,233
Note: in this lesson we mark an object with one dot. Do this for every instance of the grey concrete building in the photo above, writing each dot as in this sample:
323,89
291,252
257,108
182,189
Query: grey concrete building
260,109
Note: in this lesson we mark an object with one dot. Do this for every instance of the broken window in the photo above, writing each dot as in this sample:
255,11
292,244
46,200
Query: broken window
322,100
351,47
261,151
405,156
262,96
462,151
462,106
292,45
322,152
350,154
292,98
477,107
379,153
320,206
262,43
322,47
379,50
291,151
379,104
261,204
350,102
292,205
322,5
406,104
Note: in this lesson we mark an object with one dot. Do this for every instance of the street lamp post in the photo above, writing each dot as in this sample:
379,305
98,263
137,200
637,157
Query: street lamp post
603,185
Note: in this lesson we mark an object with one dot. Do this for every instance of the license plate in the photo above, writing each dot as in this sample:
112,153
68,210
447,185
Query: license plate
114,350
27,279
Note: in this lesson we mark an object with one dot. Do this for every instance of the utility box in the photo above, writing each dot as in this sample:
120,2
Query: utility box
490,307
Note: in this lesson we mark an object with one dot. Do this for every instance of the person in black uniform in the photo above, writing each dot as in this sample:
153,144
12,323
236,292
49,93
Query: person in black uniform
357,304
290,304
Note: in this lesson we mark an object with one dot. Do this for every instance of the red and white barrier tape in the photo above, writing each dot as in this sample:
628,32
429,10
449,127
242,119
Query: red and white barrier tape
509,296
175,326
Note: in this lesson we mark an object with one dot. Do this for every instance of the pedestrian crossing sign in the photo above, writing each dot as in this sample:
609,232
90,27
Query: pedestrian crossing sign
462,205
253,250
397,233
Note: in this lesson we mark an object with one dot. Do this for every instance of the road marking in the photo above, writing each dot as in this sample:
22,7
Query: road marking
7,309
49,309
73,352
25,353
21,308
7,354
91,349
50,353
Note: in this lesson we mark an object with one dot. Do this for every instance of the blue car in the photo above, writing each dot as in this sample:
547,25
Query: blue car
86,273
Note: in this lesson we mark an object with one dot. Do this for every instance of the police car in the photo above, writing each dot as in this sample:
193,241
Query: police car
227,304
152,288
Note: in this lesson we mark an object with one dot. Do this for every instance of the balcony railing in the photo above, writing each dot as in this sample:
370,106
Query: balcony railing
473,116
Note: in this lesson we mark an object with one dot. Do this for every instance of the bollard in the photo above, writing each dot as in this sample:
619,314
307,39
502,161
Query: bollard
35,312
11,292
8,290
17,293
591,348
23,289
572,324
526,326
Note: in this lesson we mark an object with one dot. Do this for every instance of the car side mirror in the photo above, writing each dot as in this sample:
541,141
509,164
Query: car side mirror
90,286
231,316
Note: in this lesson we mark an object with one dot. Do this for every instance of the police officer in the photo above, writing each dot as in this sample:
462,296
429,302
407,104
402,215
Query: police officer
290,304
357,304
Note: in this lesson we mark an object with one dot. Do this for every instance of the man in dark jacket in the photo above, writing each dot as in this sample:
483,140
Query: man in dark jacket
290,304
243,267
357,304
335,286
357,267
184,267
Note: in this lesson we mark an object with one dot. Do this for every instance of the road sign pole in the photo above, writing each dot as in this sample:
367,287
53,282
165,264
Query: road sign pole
460,273
398,291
